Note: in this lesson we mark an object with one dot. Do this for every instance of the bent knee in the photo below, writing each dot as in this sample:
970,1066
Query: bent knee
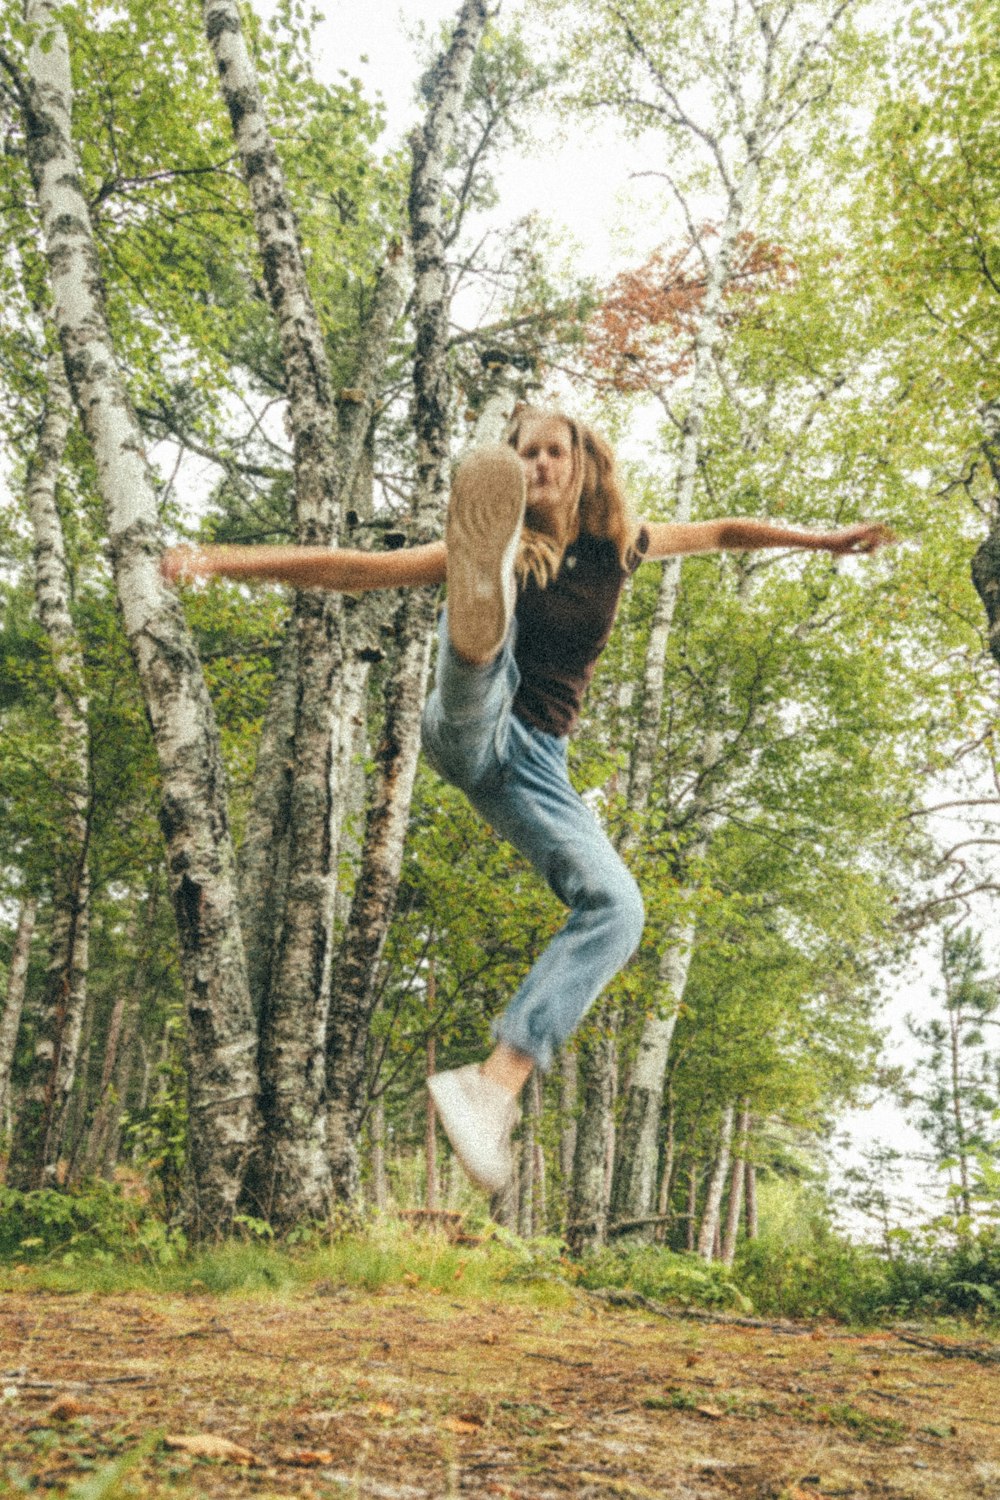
624,912
631,914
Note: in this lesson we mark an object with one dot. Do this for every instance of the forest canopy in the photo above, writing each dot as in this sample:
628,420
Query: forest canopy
240,920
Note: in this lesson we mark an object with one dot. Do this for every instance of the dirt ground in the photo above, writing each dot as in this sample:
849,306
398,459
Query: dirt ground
401,1395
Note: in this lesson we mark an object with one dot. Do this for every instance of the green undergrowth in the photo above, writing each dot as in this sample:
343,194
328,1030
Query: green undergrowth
106,1241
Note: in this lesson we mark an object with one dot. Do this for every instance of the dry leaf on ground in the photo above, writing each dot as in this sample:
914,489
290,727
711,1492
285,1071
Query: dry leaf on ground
304,1458
208,1445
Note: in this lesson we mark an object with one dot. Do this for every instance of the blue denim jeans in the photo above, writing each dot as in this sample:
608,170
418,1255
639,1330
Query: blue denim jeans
515,776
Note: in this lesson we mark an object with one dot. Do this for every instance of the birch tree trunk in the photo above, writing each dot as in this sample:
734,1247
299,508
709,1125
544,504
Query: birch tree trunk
750,1187
375,892
691,1210
291,1178
587,1225
716,1185
117,1098
736,1179
633,1194
567,1112
539,1209
10,1020
380,1186
784,78
194,816
666,1175
526,1174
263,859
42,1118
121,1027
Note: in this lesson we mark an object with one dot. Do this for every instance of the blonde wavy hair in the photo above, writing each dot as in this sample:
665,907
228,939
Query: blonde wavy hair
600,508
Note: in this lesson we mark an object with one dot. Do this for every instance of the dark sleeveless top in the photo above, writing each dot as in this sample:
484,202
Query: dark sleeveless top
563,628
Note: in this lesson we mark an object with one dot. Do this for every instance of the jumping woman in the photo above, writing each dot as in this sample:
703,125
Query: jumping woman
539,543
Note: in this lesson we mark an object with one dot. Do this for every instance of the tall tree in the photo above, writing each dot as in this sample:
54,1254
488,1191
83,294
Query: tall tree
10,1020
194,815
959,1098
42,1117
767,63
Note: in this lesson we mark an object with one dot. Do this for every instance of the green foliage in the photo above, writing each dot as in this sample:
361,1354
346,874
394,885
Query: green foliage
160,1137
96,1225
827,1277
666,1276
934,1272
801,1267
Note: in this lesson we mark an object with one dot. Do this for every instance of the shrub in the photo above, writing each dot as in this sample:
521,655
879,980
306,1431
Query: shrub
664,1275
100,1221
936,1271
828,1277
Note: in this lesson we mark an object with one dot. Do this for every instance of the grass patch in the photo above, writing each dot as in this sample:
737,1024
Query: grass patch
383,1257
866,1426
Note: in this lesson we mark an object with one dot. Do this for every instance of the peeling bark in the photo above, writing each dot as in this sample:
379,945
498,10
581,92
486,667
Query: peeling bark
193,814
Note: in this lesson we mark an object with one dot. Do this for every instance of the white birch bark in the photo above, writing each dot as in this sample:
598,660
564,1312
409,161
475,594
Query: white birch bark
396,755
10,1018
42,1117
264,854
290,1178
633,1198
692,1207
380,1185
194,817
540,1200
737,1174
634,1191
716,1185
666,1175
778,104
526,1174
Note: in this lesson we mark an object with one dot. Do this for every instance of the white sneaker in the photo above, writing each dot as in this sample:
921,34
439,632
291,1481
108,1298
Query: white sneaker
478,1116
485,513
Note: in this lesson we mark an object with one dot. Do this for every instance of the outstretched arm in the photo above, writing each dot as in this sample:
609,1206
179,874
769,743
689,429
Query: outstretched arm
668,539
342,569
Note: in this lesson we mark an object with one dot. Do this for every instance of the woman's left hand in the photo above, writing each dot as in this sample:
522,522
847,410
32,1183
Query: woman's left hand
865,537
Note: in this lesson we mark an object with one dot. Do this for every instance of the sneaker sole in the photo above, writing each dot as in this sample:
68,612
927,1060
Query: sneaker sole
449,1100
484,527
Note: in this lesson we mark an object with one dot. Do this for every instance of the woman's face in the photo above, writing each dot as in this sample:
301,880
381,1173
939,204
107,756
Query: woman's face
545,448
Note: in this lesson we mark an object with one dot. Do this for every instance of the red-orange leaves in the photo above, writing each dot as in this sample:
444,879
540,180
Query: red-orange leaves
642,337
